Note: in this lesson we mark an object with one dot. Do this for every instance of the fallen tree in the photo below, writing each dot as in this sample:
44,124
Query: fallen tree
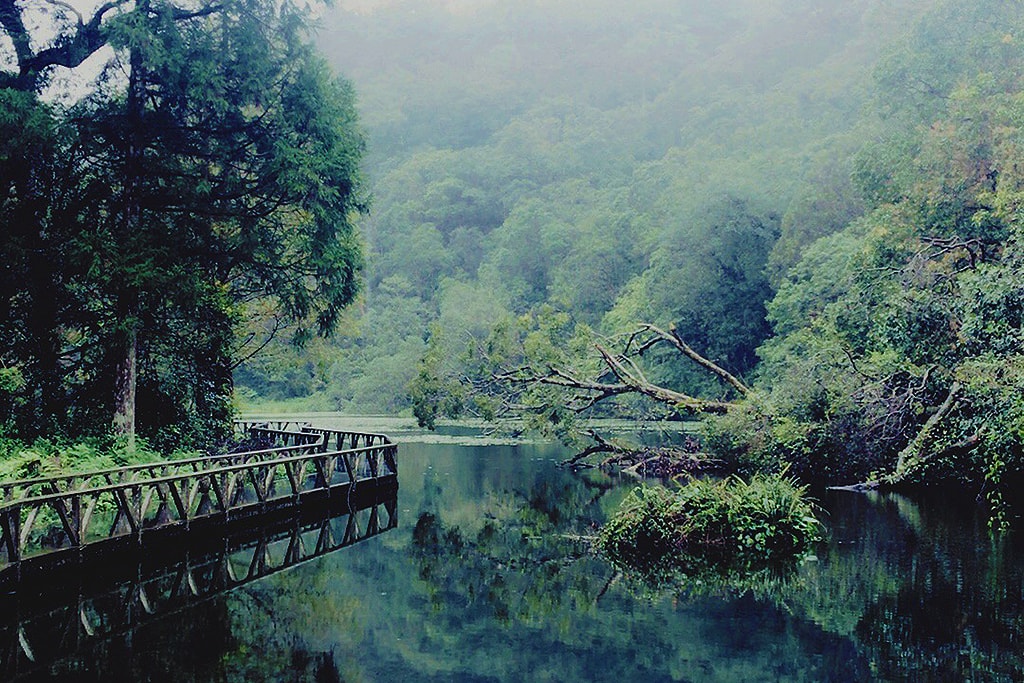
926,446
621,374
617,374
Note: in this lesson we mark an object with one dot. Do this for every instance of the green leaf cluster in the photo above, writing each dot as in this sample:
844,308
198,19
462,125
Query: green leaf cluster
708,529
915,305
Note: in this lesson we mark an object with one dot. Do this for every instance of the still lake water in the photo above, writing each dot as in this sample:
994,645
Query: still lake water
488,576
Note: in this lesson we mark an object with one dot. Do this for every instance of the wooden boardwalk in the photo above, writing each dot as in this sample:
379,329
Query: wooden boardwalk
60,516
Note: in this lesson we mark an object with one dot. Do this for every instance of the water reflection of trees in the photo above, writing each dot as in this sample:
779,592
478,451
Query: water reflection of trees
524,557
196,608
923,590
525,566
501,585
906,592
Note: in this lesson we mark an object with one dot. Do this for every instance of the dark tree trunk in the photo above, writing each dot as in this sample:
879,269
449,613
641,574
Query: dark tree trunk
42,335
125,382
214,388
127,338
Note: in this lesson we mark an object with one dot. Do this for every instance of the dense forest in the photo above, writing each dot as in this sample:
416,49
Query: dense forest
818,199
743,250
588,158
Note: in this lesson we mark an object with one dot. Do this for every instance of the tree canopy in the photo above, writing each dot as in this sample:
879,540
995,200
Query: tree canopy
568,155
211,167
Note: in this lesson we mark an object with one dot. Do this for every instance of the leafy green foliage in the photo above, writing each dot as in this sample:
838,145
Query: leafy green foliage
620,165
56,457
708,279
897,339
457,378
838,222
707,529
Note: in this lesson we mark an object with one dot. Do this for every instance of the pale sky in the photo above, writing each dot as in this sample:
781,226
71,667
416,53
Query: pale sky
42,21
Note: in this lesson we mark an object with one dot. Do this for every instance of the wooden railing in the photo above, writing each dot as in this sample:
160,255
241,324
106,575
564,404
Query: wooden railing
44,515
243,427
339,441
286,437
333,438
25,488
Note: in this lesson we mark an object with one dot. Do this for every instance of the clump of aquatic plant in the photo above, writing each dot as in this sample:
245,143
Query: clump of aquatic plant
722,528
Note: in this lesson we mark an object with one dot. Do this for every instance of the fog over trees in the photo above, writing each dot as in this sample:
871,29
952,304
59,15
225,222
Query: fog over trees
581,155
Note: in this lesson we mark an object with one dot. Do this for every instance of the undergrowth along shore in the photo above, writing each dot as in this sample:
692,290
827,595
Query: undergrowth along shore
58,457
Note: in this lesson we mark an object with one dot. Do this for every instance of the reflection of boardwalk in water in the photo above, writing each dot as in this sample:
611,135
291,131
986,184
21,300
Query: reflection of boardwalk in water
88,556
53,612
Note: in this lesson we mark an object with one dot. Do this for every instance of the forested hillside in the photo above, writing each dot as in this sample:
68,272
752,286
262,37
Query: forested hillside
659,161
818,202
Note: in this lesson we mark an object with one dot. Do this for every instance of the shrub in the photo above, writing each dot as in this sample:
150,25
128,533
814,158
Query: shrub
712,526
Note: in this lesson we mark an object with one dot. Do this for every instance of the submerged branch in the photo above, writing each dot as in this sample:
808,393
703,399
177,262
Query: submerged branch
642,461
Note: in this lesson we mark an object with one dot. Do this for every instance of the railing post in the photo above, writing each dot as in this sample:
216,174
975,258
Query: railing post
11,529
373,460
391,458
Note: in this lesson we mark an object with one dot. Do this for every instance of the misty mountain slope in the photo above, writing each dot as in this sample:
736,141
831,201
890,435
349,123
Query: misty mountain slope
580,154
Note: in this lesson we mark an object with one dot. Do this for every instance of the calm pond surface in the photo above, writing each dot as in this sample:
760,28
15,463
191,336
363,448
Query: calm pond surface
488,577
